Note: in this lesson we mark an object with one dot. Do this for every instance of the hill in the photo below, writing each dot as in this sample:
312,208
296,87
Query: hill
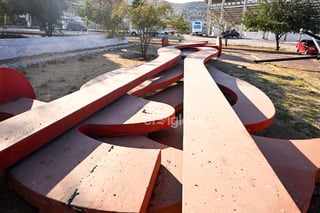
192,11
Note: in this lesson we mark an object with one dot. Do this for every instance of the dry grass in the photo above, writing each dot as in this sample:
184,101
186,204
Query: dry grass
294,92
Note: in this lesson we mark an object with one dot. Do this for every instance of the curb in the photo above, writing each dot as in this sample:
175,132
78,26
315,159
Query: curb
63,56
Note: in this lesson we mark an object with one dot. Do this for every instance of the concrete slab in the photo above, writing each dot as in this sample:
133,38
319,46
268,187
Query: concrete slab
216,172
20,105
167,192
160,81
82,173
172,95
296,163
254,108
35,129
78,173
129,115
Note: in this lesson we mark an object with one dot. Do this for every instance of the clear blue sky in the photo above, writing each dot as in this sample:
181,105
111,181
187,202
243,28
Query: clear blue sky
182,1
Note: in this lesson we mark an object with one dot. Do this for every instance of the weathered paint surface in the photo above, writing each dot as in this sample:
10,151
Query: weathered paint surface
105,151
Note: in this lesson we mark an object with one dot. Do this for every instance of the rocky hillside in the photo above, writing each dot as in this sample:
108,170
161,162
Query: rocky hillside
192,10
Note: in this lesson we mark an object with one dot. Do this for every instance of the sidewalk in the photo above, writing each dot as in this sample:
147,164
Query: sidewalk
23,47
287,45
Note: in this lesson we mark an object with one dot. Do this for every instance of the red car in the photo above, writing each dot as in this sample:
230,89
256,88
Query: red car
307,47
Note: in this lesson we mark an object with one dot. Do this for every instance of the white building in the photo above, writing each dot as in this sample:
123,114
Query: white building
227,14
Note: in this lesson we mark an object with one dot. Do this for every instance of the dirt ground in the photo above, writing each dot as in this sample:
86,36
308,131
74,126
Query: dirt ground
56,79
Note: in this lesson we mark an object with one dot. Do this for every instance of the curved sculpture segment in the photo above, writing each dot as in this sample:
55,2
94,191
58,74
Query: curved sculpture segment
163,80
14,85
254,108
215,177
129,116
79,173
106,150
296,163
62,115
86,167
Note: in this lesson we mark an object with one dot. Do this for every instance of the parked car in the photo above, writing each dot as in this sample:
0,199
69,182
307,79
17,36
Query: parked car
134,32
230,34
307,47
167,31
76,26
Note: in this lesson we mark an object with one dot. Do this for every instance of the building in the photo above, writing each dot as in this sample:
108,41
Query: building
227,14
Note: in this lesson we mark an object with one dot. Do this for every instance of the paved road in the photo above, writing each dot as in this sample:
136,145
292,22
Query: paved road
307,64
288,45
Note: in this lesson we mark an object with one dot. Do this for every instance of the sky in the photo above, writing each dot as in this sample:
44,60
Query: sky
182,1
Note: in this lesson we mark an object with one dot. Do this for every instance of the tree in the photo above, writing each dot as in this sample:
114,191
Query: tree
85,11
74,5
282,16
47,12
104,12
148,17
3,11
178,23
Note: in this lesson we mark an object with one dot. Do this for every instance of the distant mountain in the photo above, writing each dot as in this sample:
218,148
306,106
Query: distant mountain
192,10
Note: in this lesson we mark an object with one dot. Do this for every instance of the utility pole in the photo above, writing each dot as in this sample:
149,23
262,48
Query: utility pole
243,13
221,15
209,27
